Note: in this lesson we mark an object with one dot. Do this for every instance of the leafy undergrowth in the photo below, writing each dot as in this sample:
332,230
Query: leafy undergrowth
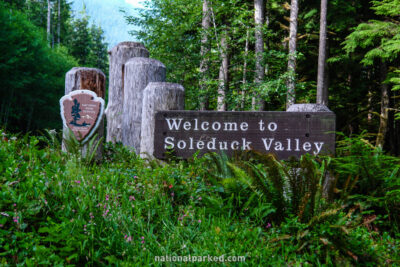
58,209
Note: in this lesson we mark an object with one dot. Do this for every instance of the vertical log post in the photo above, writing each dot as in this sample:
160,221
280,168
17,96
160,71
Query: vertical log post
158,96
90,79
139,72
329,179
119,55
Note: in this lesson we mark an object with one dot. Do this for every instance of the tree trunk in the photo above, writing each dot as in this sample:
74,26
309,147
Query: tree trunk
119,55
59,23
291,83
244,79
259,13
89,79
139,72
157,97
204,64
223,73
384,116
48,21
322,93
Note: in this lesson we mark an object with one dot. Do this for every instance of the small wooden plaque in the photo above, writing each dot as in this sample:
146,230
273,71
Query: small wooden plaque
82,111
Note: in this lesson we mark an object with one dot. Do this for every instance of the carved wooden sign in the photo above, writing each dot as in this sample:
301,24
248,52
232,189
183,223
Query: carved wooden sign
284,134
82,111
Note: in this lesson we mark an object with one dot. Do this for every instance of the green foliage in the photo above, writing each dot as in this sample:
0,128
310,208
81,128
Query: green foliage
57,210
32,74
87,44
374,178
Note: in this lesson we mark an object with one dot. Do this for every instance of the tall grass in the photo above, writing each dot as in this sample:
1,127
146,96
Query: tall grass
56,210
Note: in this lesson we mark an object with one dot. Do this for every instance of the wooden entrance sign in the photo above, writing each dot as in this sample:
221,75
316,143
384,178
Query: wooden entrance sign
284,134
82,112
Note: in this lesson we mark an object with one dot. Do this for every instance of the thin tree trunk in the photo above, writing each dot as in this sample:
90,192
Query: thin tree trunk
48,21
322,94
59,23
291,83
383,124
204,64
259,13
244,80
223,73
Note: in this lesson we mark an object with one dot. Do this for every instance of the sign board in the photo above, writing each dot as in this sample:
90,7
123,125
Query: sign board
284,134
82,111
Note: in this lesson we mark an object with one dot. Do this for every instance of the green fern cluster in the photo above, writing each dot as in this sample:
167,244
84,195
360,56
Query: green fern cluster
293,187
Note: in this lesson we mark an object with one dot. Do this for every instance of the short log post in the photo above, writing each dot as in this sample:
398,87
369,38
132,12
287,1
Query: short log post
329,179
156,97
139,73
92,79
119,55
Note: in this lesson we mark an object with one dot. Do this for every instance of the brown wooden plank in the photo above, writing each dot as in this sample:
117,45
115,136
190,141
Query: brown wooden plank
285,134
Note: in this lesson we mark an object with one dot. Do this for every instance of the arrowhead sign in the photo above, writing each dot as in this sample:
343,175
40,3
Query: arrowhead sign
81,112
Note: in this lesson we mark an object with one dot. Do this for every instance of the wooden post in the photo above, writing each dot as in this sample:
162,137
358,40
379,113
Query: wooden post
90,79
329,178
119,55
156,97
139,72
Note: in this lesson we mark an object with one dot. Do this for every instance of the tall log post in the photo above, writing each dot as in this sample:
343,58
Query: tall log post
119,55
92,79
156,97
139,72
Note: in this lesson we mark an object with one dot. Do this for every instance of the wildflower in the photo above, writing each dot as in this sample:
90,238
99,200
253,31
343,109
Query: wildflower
268,225
13,138
1,225
77,181
94,187
172,194
199,221
15,205
134,177
107,197
45,202
131,198
129,239
5,214
199,198
170,186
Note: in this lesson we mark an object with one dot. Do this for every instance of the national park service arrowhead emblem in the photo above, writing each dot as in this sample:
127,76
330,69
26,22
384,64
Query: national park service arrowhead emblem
82,112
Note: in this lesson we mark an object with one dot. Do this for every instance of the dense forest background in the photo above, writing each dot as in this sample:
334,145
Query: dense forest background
40,41
229,55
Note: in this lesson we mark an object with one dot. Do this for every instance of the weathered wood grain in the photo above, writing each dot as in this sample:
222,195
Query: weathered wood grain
139,72
119,55
156,97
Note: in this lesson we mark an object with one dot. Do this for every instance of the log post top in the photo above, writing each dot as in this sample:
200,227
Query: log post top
309,107
92,79
85,69
163,86
145,61
128,45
